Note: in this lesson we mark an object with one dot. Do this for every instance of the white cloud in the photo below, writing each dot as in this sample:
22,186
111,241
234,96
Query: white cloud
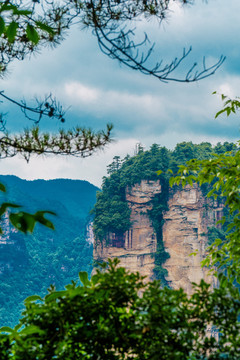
112,102
83,93
227,89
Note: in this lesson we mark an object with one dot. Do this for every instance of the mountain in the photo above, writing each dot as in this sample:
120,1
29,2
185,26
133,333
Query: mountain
153,228
31,263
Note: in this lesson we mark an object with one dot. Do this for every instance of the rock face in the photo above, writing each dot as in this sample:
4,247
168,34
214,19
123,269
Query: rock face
136,246
184,231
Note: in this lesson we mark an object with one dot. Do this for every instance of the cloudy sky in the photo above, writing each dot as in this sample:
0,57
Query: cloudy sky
98,90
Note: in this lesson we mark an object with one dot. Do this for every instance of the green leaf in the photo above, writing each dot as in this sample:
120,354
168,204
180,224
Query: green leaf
2,25
32,298
94,279
6,205
219,113
32,329
17,11
54,295
2,188
32,34
39,217
17,327
7,7
6,329
194,253
11,31
83,276
26,222
44,27
172,181
23,221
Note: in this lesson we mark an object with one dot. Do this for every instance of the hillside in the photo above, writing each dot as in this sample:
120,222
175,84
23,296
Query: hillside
31,263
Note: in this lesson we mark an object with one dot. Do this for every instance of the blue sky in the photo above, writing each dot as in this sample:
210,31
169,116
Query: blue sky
142,109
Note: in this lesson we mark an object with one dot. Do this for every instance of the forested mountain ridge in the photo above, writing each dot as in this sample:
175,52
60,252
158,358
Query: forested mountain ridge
31,263
127,205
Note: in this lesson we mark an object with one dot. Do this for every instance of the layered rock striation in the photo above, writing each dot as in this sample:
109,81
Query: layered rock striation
136,247
184,231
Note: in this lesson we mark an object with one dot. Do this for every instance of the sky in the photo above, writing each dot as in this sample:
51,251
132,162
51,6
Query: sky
97,90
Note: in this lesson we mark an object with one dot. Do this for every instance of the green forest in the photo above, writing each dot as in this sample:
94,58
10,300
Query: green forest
111,212
31,263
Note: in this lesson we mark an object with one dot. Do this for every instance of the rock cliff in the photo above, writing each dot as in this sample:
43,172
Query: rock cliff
135,247
184,231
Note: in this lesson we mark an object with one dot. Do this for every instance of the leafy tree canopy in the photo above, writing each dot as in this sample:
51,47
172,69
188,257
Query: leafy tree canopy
116,316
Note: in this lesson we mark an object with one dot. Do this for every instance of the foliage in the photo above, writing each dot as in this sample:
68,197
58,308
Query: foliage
215,233
159,205
76,142
111,213
114,315
21,29
222,173
30,263
230,105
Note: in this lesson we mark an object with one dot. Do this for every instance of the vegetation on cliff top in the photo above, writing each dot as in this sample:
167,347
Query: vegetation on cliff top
111,211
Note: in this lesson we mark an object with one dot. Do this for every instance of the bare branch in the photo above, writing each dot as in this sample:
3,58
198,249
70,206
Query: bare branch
117,42
49,107
109,20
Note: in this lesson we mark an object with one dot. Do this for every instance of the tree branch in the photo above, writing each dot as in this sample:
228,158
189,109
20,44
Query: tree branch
78,142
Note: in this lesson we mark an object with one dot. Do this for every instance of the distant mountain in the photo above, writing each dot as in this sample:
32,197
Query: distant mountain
31,263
